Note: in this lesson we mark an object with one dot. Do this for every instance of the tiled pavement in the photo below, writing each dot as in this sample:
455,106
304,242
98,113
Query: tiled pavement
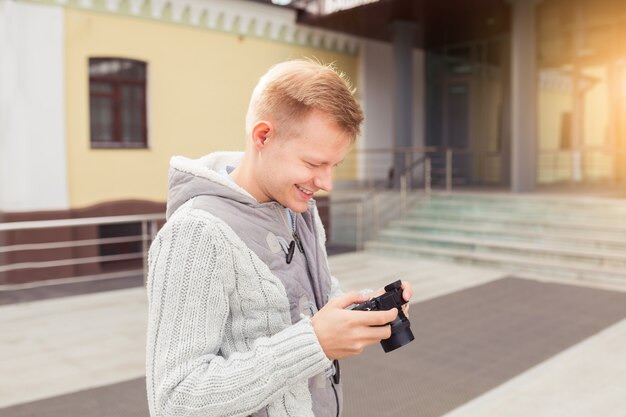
472,341
498,347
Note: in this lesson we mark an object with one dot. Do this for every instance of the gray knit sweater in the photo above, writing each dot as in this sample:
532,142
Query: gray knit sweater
222,338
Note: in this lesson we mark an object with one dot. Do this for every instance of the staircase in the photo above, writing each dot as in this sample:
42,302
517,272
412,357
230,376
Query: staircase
563,236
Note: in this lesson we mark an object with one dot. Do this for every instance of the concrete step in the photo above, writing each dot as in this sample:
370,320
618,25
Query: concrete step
593,214
547,223
570,270
575,238
599,213
530,200
531,250
558,235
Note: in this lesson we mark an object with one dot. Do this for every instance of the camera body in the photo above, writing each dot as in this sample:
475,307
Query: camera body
401,327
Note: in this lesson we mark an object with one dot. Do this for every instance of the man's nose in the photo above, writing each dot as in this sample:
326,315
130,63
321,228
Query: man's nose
324,180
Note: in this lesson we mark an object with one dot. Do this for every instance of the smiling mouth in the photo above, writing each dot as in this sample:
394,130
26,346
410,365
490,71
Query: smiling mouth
304,190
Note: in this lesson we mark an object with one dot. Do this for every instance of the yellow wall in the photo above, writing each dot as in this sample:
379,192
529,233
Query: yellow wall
555,164
199,84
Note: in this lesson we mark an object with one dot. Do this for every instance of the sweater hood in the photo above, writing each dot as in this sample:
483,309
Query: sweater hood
189,178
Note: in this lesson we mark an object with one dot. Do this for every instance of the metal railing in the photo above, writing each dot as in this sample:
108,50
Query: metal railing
357,218
420,168
587,165
76,249
447,168
72,249
376,168
33,256
354,219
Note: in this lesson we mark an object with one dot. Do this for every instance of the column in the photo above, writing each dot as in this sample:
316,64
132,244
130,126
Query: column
33,172
403,41
524,97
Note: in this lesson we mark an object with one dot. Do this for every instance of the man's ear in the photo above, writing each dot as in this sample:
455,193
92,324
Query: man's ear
261,133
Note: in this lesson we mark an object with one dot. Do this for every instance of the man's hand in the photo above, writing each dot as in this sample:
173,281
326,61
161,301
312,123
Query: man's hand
407,293
343,333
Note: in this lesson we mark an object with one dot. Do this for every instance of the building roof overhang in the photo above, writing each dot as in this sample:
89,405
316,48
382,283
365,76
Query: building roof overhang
438,22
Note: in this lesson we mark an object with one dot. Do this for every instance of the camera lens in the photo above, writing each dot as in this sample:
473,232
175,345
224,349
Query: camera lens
401,334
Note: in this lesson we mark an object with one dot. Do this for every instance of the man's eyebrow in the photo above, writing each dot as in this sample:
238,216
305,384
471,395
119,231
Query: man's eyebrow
328,163
316,161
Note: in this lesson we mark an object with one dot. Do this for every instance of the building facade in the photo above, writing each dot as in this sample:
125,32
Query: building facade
96,96
522,93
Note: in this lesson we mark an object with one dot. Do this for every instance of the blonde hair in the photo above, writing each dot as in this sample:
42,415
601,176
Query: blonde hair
289,91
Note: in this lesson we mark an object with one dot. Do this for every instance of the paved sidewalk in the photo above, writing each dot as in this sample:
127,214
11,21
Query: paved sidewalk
66,345
37,291
62,345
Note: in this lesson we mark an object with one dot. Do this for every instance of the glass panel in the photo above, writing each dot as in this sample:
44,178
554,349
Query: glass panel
555,48
103,67
435,72
459,60
458,116
132,114
101,88
116,68
133,70
491,129
101,121
465,95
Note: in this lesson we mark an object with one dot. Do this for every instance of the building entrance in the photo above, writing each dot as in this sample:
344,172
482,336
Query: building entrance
464,118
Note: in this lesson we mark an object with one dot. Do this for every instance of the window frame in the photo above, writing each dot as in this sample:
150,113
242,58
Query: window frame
116,83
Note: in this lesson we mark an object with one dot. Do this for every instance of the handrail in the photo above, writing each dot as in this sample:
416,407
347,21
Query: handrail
68,262
70,244
379,167
367,213
148,232
583,165
88,221
416,163
370,213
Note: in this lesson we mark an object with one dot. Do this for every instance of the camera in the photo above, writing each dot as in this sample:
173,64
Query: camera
401,327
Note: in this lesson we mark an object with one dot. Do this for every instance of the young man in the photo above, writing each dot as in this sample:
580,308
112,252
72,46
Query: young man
244,316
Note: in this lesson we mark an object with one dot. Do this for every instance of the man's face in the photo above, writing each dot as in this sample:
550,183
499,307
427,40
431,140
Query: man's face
290,170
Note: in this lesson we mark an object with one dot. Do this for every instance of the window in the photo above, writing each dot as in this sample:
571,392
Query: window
117,103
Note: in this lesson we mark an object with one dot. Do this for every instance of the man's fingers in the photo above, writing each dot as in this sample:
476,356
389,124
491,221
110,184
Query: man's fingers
407,292
348,299
375,334
376,318
391,315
